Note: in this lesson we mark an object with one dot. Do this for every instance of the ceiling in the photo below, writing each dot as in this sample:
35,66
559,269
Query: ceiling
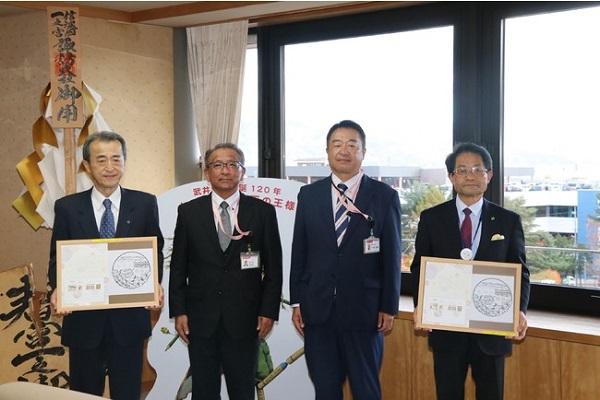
179,14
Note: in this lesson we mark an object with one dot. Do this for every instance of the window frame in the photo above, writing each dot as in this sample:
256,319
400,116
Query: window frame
478,92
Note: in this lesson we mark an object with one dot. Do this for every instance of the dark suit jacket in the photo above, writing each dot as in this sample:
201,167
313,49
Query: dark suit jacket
74,219
207,284
364,284
439,236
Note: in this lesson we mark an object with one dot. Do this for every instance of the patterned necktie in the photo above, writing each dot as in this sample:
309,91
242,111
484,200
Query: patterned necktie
466,229
341,218
223,238
107,222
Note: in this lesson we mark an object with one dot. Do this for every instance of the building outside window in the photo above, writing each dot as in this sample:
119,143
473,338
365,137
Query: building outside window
551,125
518,78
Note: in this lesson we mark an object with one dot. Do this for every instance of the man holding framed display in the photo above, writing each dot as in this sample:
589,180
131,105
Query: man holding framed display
490,233
105,341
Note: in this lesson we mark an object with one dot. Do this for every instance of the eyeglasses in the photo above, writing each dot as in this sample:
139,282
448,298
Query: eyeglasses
463,171
230,165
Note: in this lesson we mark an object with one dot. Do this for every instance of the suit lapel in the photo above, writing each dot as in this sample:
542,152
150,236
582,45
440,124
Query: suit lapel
325,209
245,216
87,218
451,223
489,226
126,211
245,213
207,219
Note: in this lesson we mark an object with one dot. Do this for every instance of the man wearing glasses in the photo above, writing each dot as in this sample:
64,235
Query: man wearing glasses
226,277
471,228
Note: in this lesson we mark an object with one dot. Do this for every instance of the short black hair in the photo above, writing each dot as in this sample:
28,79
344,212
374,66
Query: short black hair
224,146
102,136
350,125
468,147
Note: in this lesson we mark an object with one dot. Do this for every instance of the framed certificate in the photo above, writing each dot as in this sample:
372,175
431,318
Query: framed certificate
107,273
469,296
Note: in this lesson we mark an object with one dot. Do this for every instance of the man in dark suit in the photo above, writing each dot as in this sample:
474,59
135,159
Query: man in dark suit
345,270
108,341
226,278
495,234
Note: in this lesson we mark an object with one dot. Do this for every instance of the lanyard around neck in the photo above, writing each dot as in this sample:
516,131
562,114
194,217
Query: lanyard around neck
349,205
235,222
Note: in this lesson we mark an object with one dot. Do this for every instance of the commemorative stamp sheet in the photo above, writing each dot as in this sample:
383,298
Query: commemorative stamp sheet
469,296
107,273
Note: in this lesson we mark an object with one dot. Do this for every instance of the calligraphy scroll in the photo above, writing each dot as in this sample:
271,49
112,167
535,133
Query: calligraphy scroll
65,73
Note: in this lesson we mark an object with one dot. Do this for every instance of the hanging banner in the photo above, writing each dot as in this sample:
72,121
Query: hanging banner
65,74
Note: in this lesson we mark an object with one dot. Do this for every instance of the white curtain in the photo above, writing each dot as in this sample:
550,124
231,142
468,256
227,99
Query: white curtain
216,55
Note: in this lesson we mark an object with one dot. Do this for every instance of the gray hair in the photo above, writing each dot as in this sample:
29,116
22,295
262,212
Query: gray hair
224,146
102,136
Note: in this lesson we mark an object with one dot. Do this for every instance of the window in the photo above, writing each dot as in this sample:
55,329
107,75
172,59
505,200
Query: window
248,139
397,86
551,97
315,73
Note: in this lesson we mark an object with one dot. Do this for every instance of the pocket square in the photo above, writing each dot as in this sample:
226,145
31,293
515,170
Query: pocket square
497,236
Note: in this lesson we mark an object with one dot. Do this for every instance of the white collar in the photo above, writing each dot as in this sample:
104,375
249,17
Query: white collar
98,199
232,200
351,183
475,208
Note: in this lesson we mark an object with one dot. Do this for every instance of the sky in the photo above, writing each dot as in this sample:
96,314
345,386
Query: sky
552,93
399,88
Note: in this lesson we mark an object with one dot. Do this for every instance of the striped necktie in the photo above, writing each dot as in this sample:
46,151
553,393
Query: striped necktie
341,217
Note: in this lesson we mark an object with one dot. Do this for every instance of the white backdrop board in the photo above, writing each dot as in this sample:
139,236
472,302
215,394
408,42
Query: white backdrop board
168,355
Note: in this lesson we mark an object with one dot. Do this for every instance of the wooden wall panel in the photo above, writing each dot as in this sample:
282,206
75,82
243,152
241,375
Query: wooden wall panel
539,368
396,373
422,366
580,371
533,370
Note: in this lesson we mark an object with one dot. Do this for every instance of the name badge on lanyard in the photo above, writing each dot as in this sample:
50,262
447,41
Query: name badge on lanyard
250,259
371,244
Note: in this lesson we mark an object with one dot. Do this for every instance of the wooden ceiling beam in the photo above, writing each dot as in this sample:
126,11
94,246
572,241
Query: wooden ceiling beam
84,11
190,8
328,11
310,11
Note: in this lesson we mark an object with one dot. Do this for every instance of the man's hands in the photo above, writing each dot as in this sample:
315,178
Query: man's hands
161,300
415,319
53,302
385,322
521,327
264,326
181,326
297,320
